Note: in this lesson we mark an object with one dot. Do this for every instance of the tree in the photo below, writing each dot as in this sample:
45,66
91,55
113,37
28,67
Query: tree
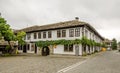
5,31
0,36
114,44
19,37
119,46
8,35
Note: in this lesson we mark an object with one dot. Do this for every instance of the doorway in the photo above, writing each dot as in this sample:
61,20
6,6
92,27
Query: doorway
24,49
45,51
77,50
35,48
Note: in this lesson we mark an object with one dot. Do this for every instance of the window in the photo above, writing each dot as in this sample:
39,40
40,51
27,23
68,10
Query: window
20,47
68,48
82,31
71,33
86,33
63,33
35,35
28,36
93,36
77,32
90,35
58,33
39,35
65,47
24,37
28,47
49,34
44,34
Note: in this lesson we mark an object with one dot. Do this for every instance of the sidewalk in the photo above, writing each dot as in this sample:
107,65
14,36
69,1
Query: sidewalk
27,54
65,56
57,55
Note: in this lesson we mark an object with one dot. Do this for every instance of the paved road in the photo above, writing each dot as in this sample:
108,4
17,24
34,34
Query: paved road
106,62
35,64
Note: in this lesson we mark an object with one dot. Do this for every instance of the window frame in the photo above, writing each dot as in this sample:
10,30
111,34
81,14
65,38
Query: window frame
58,33
44,34
64,33
28,36
71,32
39,35
68,48
49,34
35,35
86,33
77,32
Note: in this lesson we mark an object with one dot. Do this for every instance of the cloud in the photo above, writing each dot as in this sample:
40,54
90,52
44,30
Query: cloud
101,14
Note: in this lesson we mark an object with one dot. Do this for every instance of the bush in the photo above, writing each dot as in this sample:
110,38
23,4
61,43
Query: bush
89,54
96,51
84,54
6,55
119,50
7,49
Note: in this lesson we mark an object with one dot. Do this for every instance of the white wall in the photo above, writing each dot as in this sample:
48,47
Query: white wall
54,35
80,49
93,36
60,50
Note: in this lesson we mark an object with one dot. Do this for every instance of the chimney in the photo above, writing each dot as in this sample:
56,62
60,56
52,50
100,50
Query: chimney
77,18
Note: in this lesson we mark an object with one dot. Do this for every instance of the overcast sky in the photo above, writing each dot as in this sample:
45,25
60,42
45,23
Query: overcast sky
103,15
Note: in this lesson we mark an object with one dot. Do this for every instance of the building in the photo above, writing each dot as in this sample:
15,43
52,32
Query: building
4,44
68,30
108,44
118,46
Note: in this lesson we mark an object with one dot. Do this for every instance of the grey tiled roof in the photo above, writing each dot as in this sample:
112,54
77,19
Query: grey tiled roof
53,26
65,24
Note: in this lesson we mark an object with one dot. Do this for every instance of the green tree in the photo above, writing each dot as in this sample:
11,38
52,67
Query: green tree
114,44
7,33
0,36
19,37
119,46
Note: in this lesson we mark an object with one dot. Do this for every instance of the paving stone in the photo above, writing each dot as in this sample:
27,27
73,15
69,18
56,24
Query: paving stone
35,64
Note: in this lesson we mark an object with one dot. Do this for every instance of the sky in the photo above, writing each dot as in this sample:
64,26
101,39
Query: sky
103,15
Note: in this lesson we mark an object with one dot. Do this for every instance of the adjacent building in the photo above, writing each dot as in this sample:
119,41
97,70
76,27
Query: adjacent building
108,44
4,44
68,30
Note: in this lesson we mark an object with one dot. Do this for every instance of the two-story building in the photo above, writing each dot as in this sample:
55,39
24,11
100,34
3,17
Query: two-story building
108,44
68,30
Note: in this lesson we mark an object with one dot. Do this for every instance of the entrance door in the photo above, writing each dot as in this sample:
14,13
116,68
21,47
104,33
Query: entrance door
28,47
76,50
88,49
35,48
24,49
45,51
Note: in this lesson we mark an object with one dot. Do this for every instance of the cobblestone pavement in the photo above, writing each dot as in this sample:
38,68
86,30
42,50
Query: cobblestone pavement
106,62
35,64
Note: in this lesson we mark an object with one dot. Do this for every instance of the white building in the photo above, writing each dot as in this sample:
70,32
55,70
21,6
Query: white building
68,30
108,44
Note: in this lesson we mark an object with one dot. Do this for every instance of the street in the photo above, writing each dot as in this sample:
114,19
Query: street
103,62
36,64
106,62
